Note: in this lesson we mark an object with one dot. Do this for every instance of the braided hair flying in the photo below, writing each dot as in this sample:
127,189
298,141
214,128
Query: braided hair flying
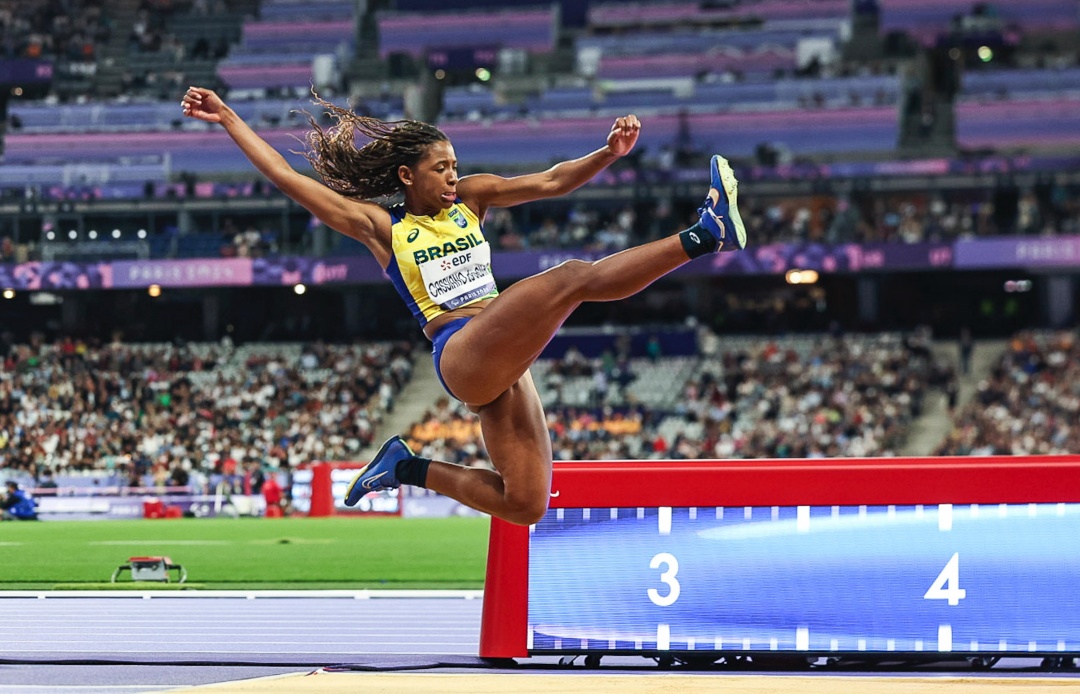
370,172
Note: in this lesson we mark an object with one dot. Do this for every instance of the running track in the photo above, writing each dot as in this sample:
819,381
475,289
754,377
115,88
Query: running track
320,628
80,642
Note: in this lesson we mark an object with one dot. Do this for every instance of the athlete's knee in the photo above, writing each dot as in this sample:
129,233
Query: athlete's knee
527,509
573,276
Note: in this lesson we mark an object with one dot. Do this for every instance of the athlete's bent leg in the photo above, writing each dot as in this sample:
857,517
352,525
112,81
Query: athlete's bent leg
516,436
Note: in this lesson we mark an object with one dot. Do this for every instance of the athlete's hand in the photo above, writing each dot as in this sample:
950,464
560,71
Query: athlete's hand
623,135
202,104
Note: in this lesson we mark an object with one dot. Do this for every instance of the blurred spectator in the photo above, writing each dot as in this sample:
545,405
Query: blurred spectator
1028,405
17,504
838,397
169,415
966,348
273,496
54,29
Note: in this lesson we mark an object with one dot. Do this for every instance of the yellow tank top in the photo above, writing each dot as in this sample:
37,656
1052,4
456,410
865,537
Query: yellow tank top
439,263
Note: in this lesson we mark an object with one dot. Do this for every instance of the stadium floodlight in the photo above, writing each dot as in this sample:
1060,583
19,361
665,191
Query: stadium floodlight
801,276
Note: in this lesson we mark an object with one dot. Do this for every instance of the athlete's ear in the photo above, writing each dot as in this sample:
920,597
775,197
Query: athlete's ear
405,175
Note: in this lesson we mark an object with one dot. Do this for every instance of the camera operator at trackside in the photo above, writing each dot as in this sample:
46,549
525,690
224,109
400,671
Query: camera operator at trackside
17,504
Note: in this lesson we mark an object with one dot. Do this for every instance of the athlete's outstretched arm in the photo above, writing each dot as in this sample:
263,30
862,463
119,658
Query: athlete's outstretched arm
357,219
481,191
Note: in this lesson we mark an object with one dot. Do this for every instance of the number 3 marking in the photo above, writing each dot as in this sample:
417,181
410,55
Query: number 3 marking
947,584
667,577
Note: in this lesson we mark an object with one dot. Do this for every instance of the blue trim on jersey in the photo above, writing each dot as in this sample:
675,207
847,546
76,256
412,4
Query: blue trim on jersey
397,213
394,273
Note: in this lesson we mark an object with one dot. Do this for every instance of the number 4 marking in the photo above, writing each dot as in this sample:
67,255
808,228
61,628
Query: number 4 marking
947,584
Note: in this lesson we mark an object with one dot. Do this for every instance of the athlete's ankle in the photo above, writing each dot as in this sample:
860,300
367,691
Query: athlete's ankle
698,241
413,471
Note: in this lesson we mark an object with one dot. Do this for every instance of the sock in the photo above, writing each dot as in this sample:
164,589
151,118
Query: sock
697,241
413,471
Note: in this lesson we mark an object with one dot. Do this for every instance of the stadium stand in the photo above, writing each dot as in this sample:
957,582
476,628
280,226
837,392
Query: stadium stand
927,20
814,106
815,144
746,397
1028,405
416,34
311,55
148,413
32,29
816,136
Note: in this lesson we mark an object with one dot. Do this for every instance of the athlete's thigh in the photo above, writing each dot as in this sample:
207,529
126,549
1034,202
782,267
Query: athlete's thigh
498,346
516,437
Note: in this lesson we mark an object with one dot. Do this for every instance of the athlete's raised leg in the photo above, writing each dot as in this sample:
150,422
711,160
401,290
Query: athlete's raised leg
496,348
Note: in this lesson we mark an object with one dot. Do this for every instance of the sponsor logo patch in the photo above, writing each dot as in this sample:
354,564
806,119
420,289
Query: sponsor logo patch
458,218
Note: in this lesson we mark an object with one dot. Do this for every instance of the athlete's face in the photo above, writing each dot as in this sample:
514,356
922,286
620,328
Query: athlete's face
431,184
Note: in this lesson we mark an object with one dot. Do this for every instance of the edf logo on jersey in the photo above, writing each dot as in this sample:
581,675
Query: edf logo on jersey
455,261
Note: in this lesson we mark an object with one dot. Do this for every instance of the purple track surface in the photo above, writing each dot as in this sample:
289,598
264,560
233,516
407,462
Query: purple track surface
127,643
313,631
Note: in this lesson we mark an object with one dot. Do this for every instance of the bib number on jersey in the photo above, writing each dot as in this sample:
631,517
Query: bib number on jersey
459,278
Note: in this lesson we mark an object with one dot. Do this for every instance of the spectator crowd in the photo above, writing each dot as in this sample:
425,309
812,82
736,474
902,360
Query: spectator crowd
1045,210
177,415
68,29
196,415
1028,405
831,397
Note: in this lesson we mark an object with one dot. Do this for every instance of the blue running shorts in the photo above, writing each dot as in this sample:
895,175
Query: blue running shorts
439,341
